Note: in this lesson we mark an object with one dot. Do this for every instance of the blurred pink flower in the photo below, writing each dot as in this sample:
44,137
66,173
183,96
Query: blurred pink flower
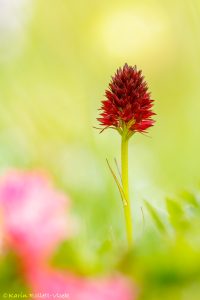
34,214
35,220
51,284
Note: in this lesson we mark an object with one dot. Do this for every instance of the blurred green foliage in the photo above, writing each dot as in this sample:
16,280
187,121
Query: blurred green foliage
11,280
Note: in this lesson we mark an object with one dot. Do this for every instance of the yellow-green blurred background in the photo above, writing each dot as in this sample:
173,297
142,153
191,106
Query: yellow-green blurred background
56,60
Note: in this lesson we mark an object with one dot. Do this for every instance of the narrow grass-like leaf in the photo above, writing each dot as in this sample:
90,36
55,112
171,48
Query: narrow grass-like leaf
189,198
160,225
118,184
143,218
176,214
116,163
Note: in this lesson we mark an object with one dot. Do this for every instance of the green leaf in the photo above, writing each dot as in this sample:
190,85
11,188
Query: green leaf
189,198
177,215
160,225
118,184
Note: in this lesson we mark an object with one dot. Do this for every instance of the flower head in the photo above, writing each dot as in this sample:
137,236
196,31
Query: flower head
128,104
34,214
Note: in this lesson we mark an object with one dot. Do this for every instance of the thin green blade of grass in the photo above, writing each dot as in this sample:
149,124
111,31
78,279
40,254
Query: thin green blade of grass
118,184
189,198
157,220
177,216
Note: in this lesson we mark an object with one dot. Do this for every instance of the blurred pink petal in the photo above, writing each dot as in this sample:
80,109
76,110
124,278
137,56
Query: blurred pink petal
34,213
53,285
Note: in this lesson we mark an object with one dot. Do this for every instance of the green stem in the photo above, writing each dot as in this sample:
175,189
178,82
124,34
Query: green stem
124,170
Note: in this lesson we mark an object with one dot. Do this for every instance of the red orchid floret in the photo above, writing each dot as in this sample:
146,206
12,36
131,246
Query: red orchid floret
128,103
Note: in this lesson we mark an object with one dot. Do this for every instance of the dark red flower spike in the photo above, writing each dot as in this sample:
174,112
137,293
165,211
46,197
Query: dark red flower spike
127,108
128,105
